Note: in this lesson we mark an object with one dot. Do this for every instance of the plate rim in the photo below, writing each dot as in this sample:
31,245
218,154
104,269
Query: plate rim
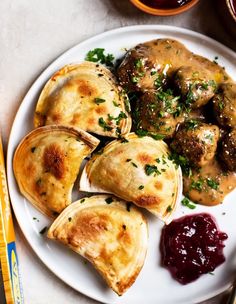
41,75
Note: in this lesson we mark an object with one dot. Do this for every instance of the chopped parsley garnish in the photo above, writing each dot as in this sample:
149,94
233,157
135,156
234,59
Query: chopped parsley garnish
221,105
69,219
99,100
191,124
159,81
134,164
138,63
39,182
187,203
215,59
128,159
212,183
150,169
197,185
33,149
142,133
169,208
190,96
181,161
109,200
104,125
128,206
115,103
82,200
117,119
134,79
141,187
43,230
97,55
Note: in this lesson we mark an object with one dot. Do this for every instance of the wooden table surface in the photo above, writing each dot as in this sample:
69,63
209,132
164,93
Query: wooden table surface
32,35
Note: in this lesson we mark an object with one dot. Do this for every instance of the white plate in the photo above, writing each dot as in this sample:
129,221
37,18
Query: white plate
154,284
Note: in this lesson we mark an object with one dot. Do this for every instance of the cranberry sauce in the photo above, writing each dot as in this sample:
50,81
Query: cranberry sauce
233,4
164,3
191,246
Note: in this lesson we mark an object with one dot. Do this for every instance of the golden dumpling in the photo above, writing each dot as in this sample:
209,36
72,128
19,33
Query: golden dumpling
87,96
109,233
139,171
46,164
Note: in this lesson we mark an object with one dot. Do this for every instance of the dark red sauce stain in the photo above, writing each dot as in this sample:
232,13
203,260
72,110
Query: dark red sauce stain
165,3
192,246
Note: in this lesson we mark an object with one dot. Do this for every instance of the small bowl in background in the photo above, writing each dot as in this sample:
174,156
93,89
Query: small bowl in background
163,11
227,12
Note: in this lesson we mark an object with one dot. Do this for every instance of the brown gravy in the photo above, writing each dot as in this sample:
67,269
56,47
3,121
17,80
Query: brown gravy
209,185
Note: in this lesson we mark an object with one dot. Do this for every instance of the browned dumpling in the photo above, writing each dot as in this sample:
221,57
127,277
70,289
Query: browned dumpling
110,234
159,112
46,164
197,141
224,104
138,170
195,85
87,96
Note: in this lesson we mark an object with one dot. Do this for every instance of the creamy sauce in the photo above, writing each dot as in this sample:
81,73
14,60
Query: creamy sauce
210,185
166,56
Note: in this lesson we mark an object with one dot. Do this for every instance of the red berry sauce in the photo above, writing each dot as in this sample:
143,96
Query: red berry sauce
191,246
165,3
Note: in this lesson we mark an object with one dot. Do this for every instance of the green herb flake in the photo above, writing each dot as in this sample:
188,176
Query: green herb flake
39,182
128,160
43,230
197,185
169,208
128,206
82,200
142,133
115,103
33,149
104,125
141,187
109,200
134,79
98,55
187,203
221,105
138,63
134,164
212,183
99,100
192,124
215,59
69,219
150,169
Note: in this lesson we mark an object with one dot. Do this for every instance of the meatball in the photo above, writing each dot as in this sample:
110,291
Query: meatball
228,154
158,112
196,141
224,104
196,87
138,73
